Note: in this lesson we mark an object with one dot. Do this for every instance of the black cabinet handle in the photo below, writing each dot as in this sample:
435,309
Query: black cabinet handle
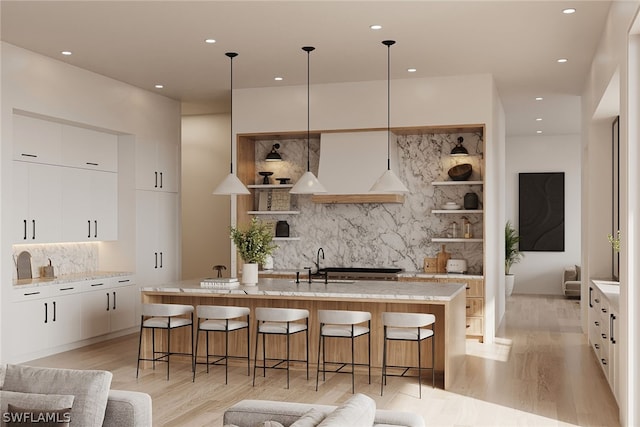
108,301
612,317
156,185
590,292
160,259
33,227
114,300
156,266
123,281
28,155
46,312
95,228
25,229
67,289
604,336
160,179
97,284
604,310
604,361
26,294
597,323
88,228
92,164
54,311
597,346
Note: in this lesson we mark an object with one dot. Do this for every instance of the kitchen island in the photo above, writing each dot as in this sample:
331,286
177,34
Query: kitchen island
445,301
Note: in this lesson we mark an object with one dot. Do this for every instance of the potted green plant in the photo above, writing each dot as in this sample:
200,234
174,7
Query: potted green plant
512,255
254,244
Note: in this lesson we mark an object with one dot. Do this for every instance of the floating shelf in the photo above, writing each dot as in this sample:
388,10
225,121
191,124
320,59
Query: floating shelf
451,240
273,212
457,183
457,211
357,198
270,186
286,238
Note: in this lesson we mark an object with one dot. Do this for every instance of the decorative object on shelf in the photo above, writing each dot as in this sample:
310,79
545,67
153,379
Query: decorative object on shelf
442,257
308,183
231,184
451,206
459,150
47,271
23,264
273,155
466,226
274,200
265,177
283,181
282,229
253,244
268,263
471,201
218,268
388,181
453,230
460,172
512,255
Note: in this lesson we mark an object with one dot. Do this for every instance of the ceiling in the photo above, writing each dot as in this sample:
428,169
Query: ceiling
145,43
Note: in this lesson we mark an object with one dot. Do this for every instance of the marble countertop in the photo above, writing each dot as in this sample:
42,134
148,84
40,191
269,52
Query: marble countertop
360,289
403,274
611,291
68,278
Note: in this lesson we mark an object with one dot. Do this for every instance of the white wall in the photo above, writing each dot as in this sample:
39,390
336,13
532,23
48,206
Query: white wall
56,90
540,272
205,163
414,102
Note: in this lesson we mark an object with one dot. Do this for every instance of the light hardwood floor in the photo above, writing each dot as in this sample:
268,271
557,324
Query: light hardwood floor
540,373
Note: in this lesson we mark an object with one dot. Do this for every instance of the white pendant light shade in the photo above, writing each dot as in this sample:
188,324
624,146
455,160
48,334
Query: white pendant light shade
308,184
389,183
231,185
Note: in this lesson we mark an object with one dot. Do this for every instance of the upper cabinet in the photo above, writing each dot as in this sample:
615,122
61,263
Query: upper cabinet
157,165
37,140
89,149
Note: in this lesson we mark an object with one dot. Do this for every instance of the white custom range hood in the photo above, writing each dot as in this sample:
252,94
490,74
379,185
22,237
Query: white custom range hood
350,162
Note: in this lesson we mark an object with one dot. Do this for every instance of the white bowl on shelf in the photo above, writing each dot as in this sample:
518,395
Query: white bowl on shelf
452,206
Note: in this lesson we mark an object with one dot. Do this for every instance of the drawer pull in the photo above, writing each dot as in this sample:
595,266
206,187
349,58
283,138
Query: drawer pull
604,361
97,284
597,323
604,310
597,346
67,289
604,336
92,164
26,294
124,281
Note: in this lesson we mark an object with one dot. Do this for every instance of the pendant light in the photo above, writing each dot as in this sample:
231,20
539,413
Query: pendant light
231,184
459,149
388,181
308,183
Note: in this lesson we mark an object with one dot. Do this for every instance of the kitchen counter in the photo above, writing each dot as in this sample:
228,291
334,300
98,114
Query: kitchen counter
445,300
68,278
611,291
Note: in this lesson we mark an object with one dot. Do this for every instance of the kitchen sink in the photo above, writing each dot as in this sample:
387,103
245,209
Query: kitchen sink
316,280
361,273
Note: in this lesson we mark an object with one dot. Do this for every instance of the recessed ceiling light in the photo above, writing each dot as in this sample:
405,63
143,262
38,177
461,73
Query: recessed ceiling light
66,52
411,70
210,41
539,119
568,11
278,79
375,27
539,98
159,86
562,60
538,131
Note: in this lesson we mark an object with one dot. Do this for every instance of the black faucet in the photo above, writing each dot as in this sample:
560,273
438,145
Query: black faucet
320,250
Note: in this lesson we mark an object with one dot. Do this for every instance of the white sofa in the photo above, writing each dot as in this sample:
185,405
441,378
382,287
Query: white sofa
571,281
82,397
359,410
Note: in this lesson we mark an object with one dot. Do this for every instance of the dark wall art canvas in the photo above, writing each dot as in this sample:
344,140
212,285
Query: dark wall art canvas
541,211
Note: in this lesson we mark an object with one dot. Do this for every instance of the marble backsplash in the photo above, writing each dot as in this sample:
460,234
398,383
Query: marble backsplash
380,235
66,258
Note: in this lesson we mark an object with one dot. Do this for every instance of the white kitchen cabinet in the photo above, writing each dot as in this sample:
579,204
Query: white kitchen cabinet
109,306
156,237
37,203
89,149
157,165
45,321
90,205
36,140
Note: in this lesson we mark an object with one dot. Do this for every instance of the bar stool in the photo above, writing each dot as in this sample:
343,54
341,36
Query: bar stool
164,317
408,327
343,324
280,321
221,318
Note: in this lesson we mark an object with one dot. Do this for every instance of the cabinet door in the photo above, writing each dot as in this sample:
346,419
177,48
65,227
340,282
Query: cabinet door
96,306
31,336
89,149
104,205
76,204
36,140
66,320
37,203
168,160
124,301
146,165
167,236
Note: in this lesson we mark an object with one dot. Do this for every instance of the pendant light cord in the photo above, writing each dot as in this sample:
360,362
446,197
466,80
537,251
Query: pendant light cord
231,55
388,102
308,49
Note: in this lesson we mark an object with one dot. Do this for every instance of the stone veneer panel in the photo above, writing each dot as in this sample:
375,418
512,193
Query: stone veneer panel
379,235
66,258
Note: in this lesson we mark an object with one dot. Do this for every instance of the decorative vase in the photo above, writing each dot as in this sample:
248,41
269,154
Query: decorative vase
250,274
509,280
471,201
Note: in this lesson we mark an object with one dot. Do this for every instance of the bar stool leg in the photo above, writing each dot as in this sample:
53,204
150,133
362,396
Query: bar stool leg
288,335
226,354
193,360
139,349
264,355
248,348
255,355
318,365
353,365
307,344
433,361
384,362
168,347
419,366
369,354
197,340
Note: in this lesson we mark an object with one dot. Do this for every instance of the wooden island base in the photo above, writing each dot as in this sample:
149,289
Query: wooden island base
449,330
